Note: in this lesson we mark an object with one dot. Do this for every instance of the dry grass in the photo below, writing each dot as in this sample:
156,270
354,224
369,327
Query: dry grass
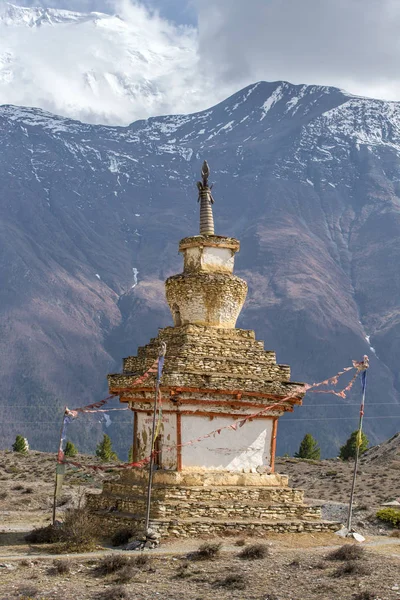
254,552
235,581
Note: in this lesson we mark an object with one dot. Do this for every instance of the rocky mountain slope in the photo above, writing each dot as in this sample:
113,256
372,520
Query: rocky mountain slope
306,177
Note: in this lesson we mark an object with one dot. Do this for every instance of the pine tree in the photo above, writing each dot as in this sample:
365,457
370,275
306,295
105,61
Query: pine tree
349,449
104,450
20,445
309,448
70,449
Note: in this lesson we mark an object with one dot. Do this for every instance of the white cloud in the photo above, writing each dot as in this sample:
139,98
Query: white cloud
118,69
100,68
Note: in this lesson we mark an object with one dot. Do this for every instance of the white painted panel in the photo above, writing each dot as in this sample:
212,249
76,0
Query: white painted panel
242,450
221,259
168,433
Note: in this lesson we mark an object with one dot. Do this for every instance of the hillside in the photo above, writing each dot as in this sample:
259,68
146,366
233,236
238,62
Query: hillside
306,177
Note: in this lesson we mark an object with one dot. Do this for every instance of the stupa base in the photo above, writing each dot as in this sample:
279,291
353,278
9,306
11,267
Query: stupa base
202,503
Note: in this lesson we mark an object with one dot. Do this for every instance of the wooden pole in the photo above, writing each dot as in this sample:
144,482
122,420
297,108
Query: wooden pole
161,355
359,438
58,457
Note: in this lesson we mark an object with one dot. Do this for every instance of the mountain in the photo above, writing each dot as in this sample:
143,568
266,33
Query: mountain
98,67
307,177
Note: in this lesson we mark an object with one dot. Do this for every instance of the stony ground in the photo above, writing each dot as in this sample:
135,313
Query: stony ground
295,568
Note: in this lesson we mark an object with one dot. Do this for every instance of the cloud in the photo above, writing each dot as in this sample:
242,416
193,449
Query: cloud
118,69
353,44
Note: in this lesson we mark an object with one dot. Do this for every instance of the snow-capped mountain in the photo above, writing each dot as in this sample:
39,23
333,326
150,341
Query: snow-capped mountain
97,67
307,177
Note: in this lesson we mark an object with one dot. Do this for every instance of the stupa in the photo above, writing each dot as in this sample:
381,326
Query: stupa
219,379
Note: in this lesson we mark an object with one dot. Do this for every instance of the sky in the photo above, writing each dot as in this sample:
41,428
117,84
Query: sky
228,44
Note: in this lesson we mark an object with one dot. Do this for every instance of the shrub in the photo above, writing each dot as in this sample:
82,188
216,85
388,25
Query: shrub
70,449
116,592
389,515
28,591
350,568
236,581
44,535
60,567
349,449
309,448
254,552
79,531
126,574
347,552
240,542
112,563
122,536
365,595
207,551
20,445
104,450
142,560
395,533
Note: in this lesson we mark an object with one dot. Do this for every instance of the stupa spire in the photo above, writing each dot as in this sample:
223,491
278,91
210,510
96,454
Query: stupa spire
206,201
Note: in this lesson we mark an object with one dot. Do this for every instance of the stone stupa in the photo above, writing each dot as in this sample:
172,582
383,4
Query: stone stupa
216,378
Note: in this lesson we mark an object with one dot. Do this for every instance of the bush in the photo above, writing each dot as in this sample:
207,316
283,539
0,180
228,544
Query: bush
207,551
254,552
350,568
349,449
122,536
104,450
365,595
115,593
236,581
60,567
112,563
389,515
79,531
309,448
70,449
20,445
347,552
44,535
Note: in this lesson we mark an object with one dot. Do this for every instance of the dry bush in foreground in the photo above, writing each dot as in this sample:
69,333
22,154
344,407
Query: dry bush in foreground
232,582
60,567
350,568
254,552
207,551
126,574
365,595
112,564
116,592
79,531
347,552
28,591
395,533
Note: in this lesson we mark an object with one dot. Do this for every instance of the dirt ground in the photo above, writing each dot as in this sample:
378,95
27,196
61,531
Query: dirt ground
295,568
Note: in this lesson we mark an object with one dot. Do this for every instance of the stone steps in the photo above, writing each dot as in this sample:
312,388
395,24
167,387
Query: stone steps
195,495
113,521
